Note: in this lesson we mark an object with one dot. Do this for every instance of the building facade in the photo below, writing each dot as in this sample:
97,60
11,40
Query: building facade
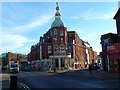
111,48
113,56
9,56
117,18
106,40
60,48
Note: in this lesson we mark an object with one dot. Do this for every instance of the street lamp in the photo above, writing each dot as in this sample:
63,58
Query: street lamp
54,65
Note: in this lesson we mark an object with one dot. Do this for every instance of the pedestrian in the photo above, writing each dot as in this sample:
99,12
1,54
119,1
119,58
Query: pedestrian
96,68
90,68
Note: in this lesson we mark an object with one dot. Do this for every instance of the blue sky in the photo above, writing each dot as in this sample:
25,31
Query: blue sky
24,22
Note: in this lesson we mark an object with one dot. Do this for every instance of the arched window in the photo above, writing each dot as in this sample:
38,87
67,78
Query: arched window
55,31
62,47
61,40
61,32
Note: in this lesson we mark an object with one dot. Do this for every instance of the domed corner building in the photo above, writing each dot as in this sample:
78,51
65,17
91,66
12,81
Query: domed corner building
61,49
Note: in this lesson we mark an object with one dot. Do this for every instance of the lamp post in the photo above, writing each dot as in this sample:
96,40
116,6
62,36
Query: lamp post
54,65
75,56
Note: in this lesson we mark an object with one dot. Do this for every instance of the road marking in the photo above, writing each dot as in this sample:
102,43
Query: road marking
82,83
24,86
92,85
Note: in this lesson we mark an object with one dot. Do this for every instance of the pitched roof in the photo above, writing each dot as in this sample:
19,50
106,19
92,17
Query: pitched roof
118,12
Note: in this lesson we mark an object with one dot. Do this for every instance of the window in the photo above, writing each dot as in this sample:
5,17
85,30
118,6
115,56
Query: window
69,50
56,47
55,39
50,32
61,40
61,47
55,31
61,32
49,49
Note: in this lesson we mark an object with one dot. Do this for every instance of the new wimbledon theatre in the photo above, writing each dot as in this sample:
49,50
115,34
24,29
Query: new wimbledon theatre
113,55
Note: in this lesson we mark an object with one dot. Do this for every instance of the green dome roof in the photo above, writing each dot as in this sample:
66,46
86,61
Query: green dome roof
57,23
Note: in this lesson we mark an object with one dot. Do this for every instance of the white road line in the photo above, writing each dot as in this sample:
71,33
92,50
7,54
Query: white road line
93,85
24,86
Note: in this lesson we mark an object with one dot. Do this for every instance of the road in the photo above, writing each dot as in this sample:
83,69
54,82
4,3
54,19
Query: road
73,79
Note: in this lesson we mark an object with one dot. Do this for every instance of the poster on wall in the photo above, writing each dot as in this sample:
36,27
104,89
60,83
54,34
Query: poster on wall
106,42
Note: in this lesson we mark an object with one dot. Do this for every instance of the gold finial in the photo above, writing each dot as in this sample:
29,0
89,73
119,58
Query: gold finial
57,3
57,8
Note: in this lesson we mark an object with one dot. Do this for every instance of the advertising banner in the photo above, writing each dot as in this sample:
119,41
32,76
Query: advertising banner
113,48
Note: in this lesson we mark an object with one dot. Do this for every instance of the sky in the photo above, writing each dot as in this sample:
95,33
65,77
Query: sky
24,22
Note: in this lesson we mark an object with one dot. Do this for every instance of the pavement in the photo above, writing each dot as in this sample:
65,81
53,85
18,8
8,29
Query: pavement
107,75
99,74
5,82
5,77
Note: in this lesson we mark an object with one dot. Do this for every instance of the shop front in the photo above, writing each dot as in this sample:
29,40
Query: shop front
115,62
60,62
113,53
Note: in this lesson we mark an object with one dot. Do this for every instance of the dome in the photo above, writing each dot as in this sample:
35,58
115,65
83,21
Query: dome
57,23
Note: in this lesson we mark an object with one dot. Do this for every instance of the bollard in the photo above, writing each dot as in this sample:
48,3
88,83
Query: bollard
13,81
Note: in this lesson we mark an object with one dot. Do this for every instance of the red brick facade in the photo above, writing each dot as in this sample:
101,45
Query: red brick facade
71,44
58,43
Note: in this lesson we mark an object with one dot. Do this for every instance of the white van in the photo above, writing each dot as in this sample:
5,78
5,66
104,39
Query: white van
14,66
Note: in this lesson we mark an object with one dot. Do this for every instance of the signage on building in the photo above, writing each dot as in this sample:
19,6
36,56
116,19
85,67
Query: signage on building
60,52
106,41
113,48
110,47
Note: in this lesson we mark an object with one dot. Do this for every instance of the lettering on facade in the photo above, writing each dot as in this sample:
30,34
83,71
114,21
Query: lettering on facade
110,47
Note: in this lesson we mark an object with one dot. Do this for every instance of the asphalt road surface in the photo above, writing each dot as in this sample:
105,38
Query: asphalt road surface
79,79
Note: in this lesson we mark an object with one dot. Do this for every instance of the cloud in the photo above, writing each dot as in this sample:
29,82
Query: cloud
89,15
90,36
73,17
39,21
94,38
98,16
11,41
14,35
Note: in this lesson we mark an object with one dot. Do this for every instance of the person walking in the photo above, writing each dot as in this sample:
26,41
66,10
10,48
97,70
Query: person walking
96,68
90,68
